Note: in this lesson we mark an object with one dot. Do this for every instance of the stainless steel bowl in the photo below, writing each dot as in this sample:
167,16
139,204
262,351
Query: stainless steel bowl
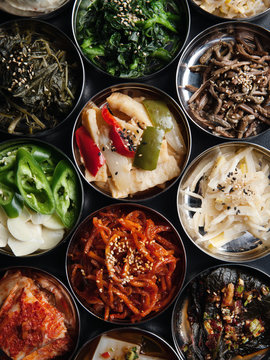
180,325
152,345
76,270
21,10
60,155
222,18
62,42
137,90
186,20
196,48
245,247
57,295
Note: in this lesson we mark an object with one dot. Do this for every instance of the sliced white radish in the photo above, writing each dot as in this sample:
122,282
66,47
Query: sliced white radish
51,238
3,217
24,230
53,222
4,234
38,219
147,357
116,348
20,248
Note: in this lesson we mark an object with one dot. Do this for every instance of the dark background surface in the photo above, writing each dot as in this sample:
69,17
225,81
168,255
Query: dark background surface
54,261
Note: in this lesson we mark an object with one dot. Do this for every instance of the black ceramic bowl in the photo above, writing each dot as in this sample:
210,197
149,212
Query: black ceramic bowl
151,346
198,291
79,10
30,11
86,265
216,17
55,232
214,37
46,299
135,90
71,73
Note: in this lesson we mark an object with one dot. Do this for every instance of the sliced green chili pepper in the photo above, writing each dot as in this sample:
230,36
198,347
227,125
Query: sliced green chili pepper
159,114
14,208
6,194
8,178
65,189
8,158
40,154
147,154
33,184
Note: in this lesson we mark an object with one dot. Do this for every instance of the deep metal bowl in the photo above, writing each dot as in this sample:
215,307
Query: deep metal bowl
180,326
242,249
7,6
151,344
63,42
137,90
183,4
196,48
222,18
58,296
86,227
60,155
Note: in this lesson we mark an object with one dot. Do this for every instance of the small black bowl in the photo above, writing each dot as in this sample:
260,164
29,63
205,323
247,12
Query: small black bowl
78,263
61,42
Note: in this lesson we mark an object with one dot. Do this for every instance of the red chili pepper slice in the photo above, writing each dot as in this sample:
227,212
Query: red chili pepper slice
90,152
122,145
106,355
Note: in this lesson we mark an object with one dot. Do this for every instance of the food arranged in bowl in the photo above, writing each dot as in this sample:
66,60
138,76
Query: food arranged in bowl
41,77
224,85
130,39
234,9
127,343
126,263
38,318
223,201
40,197
223,313
131,141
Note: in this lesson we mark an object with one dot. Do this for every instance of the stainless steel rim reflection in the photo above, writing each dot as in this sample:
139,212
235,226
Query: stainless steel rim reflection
253,254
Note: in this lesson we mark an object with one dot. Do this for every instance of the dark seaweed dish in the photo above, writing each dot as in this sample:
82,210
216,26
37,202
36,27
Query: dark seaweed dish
37,84
228,315
130,38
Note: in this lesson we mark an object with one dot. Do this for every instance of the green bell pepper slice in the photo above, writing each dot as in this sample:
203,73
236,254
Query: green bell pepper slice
6,194
33,185
159,114
65,191
147,153
14,208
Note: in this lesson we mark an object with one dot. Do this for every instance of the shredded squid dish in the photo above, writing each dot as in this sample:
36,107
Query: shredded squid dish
234,8
229,197
129,145
124,266
36,319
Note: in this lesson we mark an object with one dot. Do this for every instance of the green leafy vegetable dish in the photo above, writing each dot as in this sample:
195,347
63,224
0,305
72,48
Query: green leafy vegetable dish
131,38
38,78
40,198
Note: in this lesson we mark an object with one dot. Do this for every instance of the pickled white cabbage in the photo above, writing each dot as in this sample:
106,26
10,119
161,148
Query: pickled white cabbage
232,194
234,8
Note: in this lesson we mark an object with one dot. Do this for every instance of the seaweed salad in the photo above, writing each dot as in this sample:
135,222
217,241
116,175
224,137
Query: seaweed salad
37,84
228,316
130,38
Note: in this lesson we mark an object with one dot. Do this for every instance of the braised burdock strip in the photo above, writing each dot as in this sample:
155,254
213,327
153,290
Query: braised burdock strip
233,99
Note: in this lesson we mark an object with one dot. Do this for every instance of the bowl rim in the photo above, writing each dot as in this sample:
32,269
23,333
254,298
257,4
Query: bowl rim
58,151
81,70
123,329
197,159
142,77
181,63
161,93
35,14
68,292
221,18
246,267
148,210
